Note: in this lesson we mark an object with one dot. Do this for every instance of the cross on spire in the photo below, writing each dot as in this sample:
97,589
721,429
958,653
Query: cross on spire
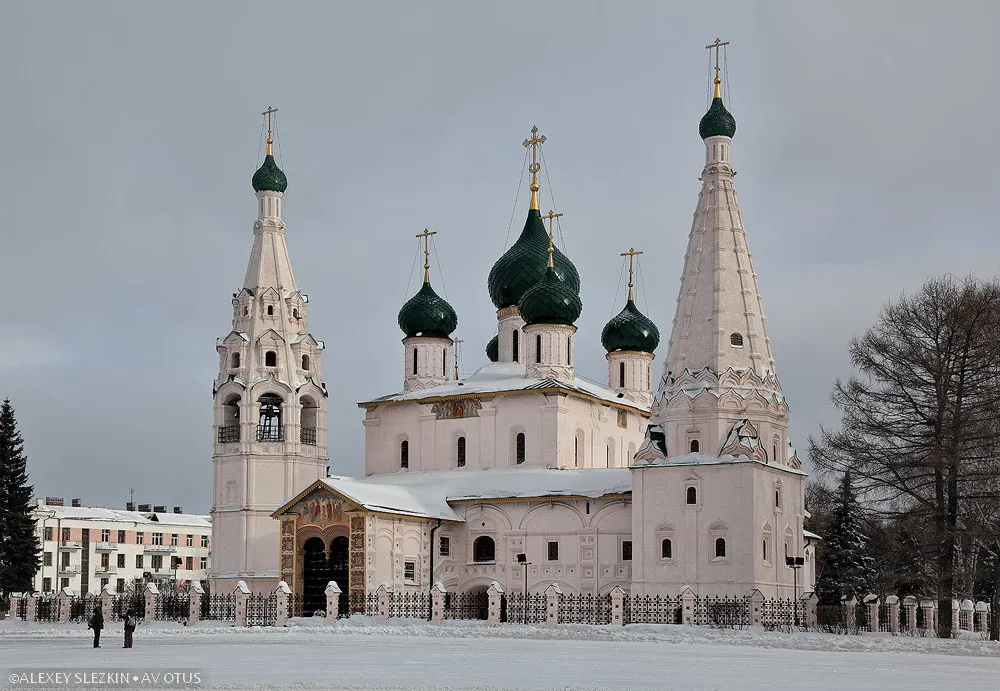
717,45
458,347
535,142
549,217
427,252
631,254
268,113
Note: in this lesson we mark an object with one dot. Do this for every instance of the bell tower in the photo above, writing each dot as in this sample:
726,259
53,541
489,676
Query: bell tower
270,400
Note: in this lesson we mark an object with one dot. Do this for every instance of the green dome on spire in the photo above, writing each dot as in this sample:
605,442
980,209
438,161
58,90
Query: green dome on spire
427,314
717,122
524,264
269,177
630,329
550,301
493,349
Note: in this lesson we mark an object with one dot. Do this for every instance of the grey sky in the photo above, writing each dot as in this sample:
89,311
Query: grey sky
865,150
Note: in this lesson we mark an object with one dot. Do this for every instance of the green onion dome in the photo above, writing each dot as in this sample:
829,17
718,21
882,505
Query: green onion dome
717,121
493,349
269,177
550,301
630,329
524,264
427,314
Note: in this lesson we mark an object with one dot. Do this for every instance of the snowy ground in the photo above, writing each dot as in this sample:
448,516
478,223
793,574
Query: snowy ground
467,655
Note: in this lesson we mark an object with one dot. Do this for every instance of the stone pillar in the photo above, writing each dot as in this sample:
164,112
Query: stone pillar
31,610
437,603
281,594
755,603
15,606
495,594
849,606
982,619
871,602
687,599
383,594
928,607
108,602
809,602
65,602
333,592
241,594
955,609
893,603
150,594
617,606
552,594
910,613
195,593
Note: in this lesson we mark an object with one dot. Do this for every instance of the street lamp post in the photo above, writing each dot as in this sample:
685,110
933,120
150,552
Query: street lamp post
522,559
795,563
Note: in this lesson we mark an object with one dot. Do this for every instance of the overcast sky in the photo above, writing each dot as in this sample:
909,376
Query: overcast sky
865,149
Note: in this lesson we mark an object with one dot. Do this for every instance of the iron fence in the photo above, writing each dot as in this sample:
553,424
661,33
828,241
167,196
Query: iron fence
474,604
884,624
22,608
262,609
519,608
781,612
172,607
723,612
584,609
46,609
81,608
652,609
218,608
409,604
124,603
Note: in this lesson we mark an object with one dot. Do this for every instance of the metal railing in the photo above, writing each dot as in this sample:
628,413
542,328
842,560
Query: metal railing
270,433
307,435
229,434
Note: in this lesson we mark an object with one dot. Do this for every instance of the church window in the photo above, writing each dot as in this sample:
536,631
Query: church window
692,495
576,450
621,375
295,312
305,362
519,448
666,548
269,422
569,350
444,548
515,347
270,310
764,549
777,498
444,363
246,310
414,361
270,359
626,550
736,340
538,348
553,550
695,445
587,508
404,454
409,571
484,549
720,548
236,360
460,452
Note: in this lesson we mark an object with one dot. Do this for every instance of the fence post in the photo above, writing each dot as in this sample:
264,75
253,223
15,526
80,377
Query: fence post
871,602
31,610
755,600
195,593
552,594
687,598
15,605
617,606
65,600
928,607
437,603
809,600
495,595
383,594
893,602
108,602
333,592
281,593
849,606
241,595
970,607
981,610
910,612
151,593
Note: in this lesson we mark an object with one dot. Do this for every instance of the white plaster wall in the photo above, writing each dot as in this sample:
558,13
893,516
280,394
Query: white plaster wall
637,384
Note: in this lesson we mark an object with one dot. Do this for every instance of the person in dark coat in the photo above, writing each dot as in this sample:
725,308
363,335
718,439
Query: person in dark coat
96,622
131,621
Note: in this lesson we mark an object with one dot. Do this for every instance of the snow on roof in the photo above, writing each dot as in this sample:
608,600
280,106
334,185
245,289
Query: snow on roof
710,459
95,513
499,377
182,519
429,494
811,535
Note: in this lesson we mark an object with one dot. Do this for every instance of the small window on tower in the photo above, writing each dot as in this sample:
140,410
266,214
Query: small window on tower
621,375
569,350
270,310
519,448
695,446
736,340
515,347
270,359
236,359
404,454
692,495
538,348
305,362
460,452
295,313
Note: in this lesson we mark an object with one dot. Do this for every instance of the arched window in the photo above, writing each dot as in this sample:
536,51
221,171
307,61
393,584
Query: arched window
270,359
538,348
229,430
515,347
404,454
666,549
246,310
444,362
764,548
305,362
236,360
484,549
270,310
692,495
295,312
414,361
736,340
576,450
310,414
519,448
621,375
269,423
460,452
569,350
720,548
611,452
695,446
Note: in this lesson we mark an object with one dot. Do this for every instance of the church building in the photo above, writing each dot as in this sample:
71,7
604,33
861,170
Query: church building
523,472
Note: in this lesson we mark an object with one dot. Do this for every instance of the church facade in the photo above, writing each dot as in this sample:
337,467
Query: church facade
522,473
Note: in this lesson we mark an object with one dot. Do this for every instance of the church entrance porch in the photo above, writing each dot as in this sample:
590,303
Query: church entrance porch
315,576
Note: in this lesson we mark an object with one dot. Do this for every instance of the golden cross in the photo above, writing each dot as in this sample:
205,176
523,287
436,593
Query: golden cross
718,44
427,253
535,142
631,254
458,346
268,113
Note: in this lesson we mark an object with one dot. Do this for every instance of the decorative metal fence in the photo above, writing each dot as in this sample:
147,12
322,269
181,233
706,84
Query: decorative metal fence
360,603
124,603
884,624
652,609
474,604
47,609
218,608
723,612
22,608
82,608
517,608
262,610
172,607
412,605
782,612
584,609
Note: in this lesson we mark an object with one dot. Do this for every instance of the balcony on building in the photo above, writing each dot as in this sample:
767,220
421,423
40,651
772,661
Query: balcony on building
270,433
307,435
69,568
70,544
105,546
110,568
159,549
229,434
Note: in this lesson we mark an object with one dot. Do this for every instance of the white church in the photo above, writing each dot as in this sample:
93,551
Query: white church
523,464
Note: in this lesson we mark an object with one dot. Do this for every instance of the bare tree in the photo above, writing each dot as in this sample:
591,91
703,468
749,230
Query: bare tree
918,430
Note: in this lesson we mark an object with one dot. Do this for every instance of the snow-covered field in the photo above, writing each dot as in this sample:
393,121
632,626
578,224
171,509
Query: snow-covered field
468,655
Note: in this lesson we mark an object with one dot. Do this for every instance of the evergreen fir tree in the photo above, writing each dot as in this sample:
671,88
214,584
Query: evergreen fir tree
20,553
846,568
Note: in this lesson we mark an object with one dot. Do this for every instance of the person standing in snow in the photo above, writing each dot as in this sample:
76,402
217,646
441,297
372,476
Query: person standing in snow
96,622
131,621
